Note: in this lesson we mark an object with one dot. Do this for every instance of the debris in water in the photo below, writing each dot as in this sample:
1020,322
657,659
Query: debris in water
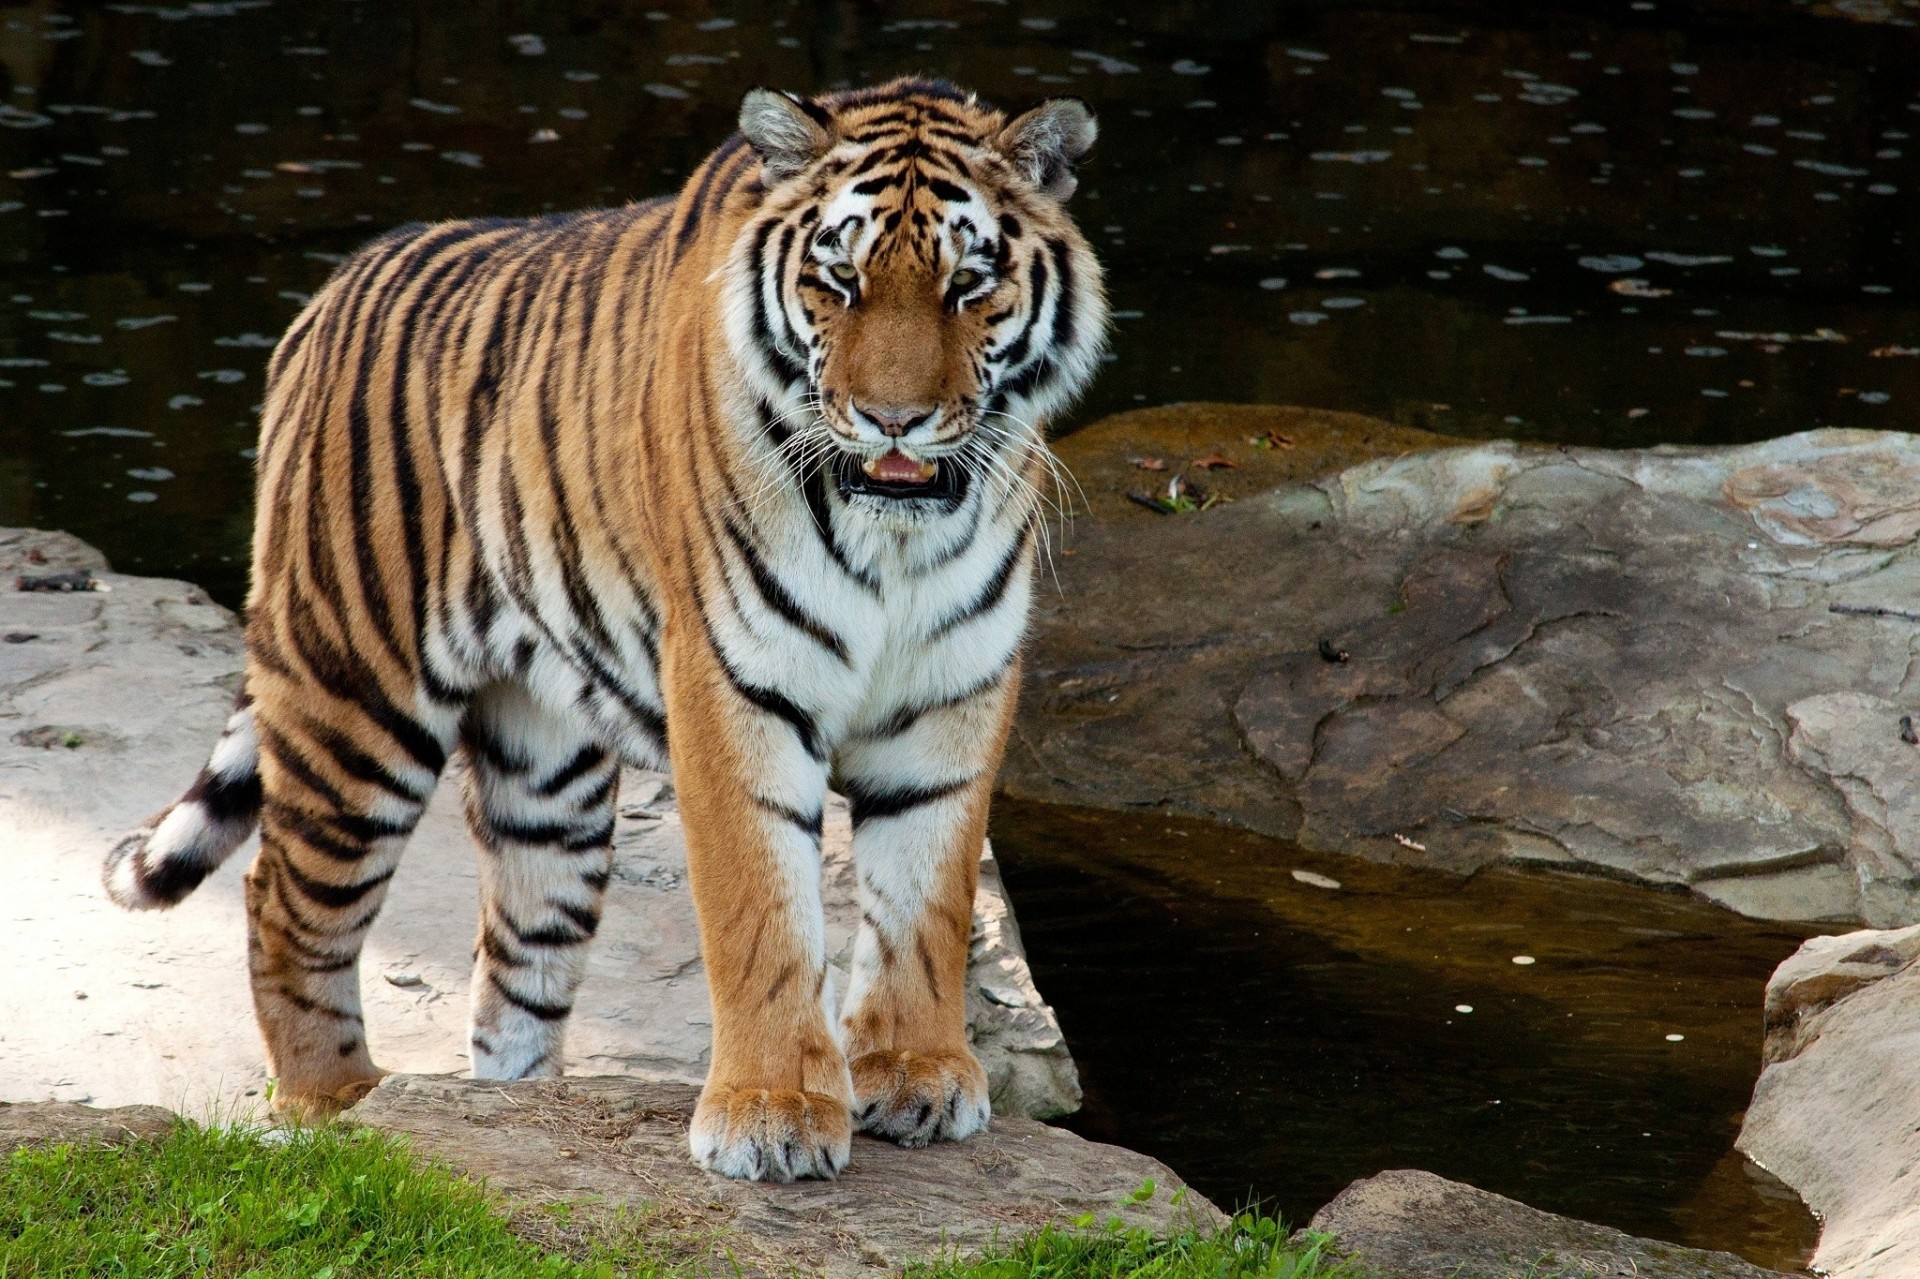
1313,879
1525,961
1404,842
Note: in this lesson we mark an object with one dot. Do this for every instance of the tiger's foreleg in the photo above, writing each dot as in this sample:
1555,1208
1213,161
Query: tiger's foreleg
919,801
343,783
751,778
540,803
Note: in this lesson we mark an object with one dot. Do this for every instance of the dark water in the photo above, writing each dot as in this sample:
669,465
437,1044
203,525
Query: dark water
1422,211
1272,1039
1619,223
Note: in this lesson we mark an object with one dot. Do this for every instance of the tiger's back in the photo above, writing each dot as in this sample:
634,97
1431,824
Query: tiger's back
746,483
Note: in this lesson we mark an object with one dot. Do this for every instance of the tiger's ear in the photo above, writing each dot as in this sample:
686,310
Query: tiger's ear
788,133
1046,142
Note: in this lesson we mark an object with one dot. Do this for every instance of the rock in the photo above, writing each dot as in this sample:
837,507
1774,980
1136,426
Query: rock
1836,1114
1821,973
107,712
66,1123
1414,1225
1683,667
622,1142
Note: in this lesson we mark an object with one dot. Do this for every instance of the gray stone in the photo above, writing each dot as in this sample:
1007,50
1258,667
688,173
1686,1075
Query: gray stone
1836,1114
108,708
1674,666
1414,1225
616,1143
66,1123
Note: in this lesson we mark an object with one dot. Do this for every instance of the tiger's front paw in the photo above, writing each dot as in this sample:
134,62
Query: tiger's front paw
916,1098
762,1134
321,1103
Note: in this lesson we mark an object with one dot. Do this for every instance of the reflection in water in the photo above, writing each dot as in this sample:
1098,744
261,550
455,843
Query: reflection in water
1644,223
1583,1046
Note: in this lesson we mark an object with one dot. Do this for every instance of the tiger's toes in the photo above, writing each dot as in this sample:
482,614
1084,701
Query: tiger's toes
762,1134
917,1098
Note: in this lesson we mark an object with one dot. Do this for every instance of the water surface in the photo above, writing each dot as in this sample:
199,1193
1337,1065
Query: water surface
1611,223
1275,1039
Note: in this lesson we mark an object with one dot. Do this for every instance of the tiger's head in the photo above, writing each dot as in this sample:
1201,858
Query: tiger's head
912,301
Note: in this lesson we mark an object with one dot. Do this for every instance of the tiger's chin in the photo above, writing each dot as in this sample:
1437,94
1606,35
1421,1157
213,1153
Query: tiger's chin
899,491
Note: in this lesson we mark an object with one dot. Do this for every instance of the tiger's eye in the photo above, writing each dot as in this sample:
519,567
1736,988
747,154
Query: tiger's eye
845,272
965,278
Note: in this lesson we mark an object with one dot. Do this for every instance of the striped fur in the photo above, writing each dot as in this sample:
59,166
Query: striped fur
627,486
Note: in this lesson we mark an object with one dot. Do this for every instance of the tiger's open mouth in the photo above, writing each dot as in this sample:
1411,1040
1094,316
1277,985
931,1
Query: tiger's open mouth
895,475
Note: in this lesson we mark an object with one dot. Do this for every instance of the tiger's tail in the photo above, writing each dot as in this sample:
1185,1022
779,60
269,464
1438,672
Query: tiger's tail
158,864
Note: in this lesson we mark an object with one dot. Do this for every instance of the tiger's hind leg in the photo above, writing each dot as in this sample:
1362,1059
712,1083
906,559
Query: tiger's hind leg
344,781
540,801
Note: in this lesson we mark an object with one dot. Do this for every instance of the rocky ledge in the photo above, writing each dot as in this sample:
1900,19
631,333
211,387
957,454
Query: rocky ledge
617,1143
1683,667
1836,1114
1414,1225
110,699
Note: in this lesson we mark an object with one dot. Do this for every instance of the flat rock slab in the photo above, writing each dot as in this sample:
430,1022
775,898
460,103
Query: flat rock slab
1676,666
1836,1114
623,1143
65,1123
109,703
1414,1225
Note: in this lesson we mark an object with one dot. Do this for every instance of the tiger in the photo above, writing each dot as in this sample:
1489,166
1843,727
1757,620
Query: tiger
746,483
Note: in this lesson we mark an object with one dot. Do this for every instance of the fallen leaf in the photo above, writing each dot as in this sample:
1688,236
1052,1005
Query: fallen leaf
1271,440
1213,462
1151,463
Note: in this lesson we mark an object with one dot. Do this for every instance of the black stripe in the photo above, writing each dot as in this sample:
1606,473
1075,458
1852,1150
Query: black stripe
1063,306
359,765
694,208
990,594
875,802
585,761
545,1012
586,841
808,824
773,703
172,879
907,716
780,600
334,895
226,798
518,831
948,191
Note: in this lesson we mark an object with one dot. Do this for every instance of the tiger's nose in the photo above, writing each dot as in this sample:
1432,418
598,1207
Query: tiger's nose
894,422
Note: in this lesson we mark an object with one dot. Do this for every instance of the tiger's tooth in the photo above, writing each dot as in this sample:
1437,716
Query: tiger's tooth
871,466
927,470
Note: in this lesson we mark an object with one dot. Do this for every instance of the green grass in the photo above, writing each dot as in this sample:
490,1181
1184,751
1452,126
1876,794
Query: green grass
328,1204
1252,1247
342,1204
